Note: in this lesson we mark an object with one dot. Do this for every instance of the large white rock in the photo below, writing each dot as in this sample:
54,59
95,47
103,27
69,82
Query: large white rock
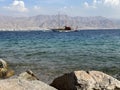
82,80
22,84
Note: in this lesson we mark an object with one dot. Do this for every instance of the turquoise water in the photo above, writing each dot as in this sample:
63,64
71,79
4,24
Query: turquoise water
50,54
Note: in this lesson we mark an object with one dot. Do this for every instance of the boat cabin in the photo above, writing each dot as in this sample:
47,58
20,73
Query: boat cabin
67,28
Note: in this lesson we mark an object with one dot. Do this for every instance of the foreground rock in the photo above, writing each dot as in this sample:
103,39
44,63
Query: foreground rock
82,80
25,81
28,75
21,84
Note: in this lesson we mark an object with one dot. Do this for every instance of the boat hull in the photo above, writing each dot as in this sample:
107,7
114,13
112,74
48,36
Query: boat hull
62,30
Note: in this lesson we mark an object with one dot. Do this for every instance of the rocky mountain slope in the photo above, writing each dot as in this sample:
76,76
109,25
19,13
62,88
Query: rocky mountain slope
54,21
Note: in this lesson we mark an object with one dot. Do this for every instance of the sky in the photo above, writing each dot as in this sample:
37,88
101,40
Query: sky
105,8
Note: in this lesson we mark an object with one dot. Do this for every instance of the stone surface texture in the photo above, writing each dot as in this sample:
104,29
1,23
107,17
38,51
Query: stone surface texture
21,84
86,80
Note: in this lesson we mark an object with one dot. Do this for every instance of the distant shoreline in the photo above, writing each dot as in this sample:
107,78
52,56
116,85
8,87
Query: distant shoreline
51,29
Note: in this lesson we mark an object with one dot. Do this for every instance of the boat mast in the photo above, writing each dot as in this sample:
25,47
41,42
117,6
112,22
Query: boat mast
58,19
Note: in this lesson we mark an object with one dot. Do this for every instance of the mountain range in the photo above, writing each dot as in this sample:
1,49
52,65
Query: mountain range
45,22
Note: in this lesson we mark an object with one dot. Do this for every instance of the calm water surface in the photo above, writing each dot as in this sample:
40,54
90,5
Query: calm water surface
50,54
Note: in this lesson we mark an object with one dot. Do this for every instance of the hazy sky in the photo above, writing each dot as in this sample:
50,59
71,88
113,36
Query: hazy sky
106,8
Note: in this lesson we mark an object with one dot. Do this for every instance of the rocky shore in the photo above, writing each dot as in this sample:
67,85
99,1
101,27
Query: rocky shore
77,80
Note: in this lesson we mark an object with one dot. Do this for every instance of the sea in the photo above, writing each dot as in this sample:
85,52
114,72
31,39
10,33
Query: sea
51,54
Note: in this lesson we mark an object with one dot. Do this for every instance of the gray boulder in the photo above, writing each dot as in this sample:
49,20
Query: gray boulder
25,81
22,84
28,75
86,80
